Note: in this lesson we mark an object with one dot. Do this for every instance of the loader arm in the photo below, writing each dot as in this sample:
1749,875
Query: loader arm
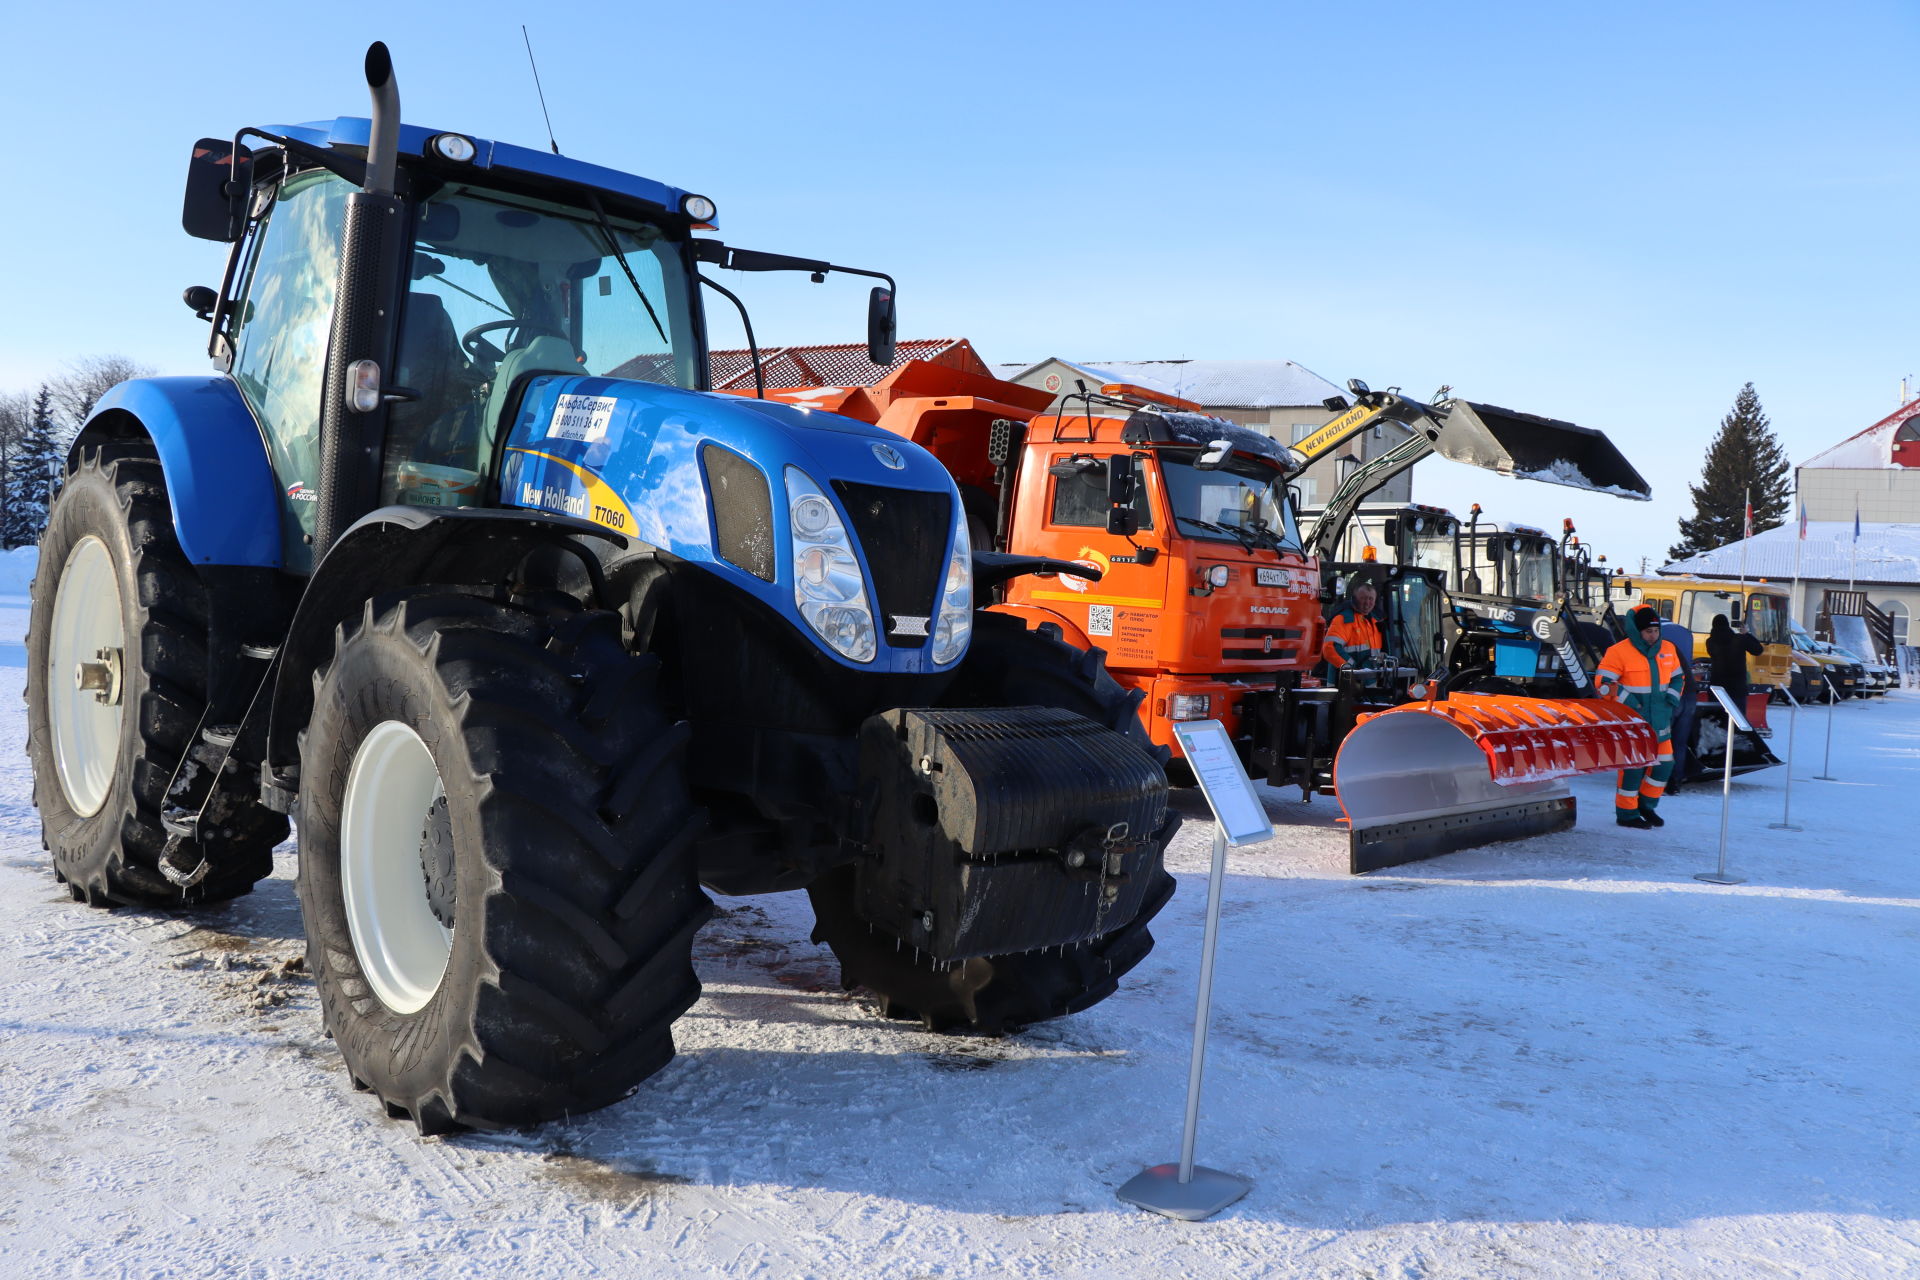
1522,445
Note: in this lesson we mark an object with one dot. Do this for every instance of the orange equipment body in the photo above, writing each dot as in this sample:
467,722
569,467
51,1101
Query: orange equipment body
1167,628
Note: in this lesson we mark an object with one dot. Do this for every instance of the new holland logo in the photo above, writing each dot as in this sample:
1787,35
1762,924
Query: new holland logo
889,456
903,625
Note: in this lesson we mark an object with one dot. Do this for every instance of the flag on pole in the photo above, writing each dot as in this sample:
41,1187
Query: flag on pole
1747,530
1856,522
1803,521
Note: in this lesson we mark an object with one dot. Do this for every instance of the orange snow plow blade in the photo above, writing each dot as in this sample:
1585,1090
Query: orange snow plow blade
1428,778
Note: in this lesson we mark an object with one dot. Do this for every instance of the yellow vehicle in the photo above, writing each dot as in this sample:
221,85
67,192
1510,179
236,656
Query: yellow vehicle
1695,602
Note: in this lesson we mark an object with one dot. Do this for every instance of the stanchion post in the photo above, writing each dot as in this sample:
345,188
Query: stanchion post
1735,722
1186,1190
1786,822
1826,767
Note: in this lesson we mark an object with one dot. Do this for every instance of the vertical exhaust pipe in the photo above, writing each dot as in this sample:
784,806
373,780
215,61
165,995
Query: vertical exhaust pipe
383,137
353,412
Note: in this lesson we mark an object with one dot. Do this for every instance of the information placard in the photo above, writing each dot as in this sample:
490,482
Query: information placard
1736,714
1224,781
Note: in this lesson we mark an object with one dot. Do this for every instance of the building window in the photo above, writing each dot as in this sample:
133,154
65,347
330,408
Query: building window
1897,614
1301,430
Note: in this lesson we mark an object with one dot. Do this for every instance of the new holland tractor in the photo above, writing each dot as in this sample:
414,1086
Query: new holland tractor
456,562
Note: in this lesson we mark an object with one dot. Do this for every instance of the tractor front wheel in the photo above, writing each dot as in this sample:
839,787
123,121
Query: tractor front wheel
496,870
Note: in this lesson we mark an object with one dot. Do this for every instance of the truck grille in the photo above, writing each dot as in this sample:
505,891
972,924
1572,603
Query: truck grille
904,533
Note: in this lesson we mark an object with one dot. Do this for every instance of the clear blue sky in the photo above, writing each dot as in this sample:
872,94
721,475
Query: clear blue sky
1614,214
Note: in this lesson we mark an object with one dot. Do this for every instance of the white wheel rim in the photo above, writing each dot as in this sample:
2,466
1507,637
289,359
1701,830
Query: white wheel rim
86,730
403,948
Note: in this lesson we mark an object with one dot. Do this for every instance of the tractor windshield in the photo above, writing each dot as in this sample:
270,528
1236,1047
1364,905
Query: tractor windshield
1241,502
501,287
1532,571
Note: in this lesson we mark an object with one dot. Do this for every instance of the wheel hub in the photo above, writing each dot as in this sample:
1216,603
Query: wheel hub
101,677
436,862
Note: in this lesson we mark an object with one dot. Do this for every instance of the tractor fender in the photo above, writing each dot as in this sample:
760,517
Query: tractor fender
226,502
396,547
1035,617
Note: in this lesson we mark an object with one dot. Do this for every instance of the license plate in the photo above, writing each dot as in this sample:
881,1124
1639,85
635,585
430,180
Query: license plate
1270,577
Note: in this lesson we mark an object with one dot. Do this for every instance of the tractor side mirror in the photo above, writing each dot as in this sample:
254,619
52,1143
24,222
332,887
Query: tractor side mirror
1122,481
881,325
218,179
1733,618
200,300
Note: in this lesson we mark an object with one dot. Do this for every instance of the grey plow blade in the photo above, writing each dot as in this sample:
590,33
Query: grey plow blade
1535,448
1414,787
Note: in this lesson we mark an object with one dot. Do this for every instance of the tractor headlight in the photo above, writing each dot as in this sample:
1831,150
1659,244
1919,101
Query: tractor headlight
953,626
827,584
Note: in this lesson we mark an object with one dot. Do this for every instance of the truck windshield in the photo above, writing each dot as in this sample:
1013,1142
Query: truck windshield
1767,618
1434,551
1241,502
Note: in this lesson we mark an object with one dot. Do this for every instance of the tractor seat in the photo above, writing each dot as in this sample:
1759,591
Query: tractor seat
543,353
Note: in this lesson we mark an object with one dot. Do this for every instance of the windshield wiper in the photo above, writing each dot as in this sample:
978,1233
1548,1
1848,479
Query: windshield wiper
1238,535
613,243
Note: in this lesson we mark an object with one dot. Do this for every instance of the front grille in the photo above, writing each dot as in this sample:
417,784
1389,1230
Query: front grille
904,533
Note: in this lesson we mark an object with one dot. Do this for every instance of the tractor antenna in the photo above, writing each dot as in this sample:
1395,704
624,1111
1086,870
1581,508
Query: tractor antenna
528,41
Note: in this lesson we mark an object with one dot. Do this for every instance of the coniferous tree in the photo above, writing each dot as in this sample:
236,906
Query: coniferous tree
1744,458
15,413
31,470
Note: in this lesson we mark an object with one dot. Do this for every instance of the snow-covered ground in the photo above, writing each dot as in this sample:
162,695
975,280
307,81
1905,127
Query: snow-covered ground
1563,1057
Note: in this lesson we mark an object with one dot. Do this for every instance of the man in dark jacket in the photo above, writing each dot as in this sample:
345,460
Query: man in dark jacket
1683,717
1727,652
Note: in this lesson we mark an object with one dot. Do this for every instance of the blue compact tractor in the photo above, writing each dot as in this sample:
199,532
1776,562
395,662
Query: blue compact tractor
459,563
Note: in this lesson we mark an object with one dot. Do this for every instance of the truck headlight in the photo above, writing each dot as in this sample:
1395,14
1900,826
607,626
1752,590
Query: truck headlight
953,626
1189,706
828,587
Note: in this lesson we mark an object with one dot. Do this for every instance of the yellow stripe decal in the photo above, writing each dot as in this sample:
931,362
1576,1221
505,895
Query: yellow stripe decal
1089,598
1330,434
602,505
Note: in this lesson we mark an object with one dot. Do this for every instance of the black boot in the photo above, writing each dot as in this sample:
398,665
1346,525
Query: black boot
1651,818
1631,818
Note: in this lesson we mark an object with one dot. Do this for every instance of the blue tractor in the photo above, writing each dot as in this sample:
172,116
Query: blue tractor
457,562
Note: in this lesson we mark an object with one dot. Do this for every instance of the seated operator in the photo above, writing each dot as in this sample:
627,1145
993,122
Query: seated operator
1352,634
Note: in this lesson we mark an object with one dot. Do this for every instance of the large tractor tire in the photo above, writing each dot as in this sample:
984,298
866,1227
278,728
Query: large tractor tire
496,861
1006,666
117,609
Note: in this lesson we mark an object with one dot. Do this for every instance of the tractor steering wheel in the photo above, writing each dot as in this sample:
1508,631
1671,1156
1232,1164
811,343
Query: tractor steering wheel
473,341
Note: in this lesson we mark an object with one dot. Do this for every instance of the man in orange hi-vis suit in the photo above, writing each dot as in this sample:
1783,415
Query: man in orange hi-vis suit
1645,672
1352,634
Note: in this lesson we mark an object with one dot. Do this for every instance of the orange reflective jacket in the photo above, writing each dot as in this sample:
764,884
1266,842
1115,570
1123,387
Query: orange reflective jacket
1347,634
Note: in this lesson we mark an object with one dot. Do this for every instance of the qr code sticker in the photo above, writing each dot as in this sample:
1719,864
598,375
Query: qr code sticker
1100,620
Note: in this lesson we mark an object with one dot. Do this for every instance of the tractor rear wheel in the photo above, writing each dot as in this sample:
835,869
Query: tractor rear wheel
116,685
1006,666
496,861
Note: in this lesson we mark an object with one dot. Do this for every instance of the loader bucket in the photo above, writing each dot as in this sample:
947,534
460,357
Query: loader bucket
1535,448
1429,778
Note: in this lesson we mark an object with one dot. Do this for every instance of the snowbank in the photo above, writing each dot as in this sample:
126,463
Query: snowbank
16,570
1561,1057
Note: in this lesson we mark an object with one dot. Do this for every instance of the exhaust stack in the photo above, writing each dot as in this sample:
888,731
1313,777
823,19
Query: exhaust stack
383,134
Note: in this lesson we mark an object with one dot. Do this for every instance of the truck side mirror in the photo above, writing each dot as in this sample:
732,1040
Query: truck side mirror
881,325
218,179
1122,480
1733,618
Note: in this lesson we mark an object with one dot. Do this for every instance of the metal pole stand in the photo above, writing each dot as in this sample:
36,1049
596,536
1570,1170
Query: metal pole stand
1826,767
1786,822
1734,722
1186,1190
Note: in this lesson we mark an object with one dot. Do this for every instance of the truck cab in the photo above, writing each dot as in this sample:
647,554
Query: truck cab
1206,596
